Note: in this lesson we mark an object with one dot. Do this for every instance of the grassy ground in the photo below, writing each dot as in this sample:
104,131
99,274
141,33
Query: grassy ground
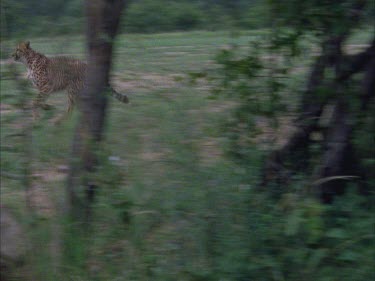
166,185
165,146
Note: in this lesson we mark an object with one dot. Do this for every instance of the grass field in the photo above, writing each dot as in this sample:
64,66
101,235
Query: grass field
166,152
164,167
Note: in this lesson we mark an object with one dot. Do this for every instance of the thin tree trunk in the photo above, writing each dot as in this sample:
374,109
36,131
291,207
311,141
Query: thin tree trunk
102,18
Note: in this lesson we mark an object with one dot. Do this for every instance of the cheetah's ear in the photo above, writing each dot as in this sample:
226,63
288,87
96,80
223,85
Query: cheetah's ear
24,45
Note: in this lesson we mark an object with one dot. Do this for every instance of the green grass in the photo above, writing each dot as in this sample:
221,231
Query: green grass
169,152
170,197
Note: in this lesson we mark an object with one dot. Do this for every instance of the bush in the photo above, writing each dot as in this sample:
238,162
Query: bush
255,16
148,16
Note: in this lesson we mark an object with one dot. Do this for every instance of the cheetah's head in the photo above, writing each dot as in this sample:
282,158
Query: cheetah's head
21,50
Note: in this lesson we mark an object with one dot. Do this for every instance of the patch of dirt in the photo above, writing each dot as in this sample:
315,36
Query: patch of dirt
40,193
128,85
168,47
273,138
175,53
12,237
146,81
6,61
149,152
210,151
50,175
152,156
7,109
13,246
218,107
164,81
41,202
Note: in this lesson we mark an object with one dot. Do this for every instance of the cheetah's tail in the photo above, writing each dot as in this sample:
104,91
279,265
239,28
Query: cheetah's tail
121,97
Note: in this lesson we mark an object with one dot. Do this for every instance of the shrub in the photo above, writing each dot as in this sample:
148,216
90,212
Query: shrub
149,16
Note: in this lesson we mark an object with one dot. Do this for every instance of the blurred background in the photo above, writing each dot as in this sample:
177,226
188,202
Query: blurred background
246,153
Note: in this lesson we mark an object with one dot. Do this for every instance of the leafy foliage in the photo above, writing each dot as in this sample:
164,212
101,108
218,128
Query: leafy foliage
293,236
257,82
41,18
308,241
162,213
170,15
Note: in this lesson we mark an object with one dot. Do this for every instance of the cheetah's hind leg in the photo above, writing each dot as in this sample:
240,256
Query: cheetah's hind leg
68,113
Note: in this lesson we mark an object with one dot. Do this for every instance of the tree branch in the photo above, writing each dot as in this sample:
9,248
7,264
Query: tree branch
356,63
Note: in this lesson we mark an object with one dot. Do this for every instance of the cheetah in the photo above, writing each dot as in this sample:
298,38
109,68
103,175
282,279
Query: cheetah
53,74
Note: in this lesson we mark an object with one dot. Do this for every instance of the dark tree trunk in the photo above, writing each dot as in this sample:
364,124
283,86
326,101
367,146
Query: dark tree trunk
102,23
368,85
337,162
306,123
336,154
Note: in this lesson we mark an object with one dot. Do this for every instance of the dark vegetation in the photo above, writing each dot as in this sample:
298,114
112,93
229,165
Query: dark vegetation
57,17
249,156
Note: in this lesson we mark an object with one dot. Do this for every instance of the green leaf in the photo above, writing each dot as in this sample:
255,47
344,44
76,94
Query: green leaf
337,233
315,259
293,222
348,255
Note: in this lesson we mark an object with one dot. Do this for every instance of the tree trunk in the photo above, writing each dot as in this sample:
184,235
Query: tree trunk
306,123
102,18
337,160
